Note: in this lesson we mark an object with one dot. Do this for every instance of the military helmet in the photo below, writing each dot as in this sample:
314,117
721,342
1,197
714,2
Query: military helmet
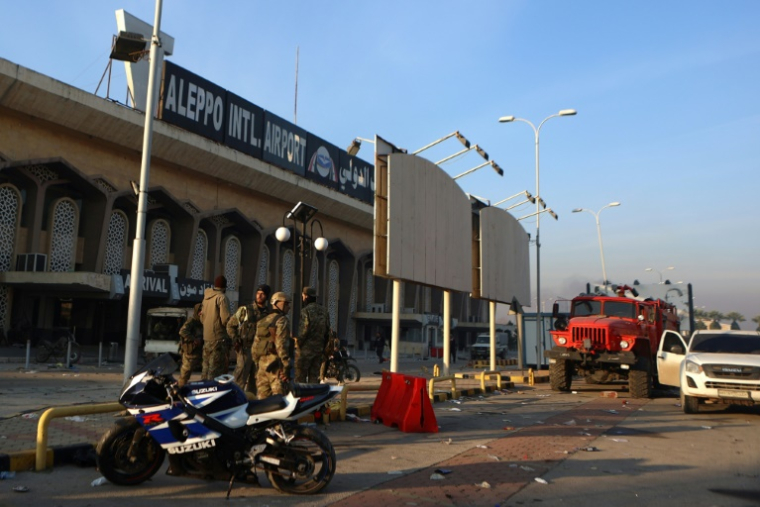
279,296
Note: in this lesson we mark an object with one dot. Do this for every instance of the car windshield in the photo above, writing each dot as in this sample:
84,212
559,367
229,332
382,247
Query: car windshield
726,343
584,308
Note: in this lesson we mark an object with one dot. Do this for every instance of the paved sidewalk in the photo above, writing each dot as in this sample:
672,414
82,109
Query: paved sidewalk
29,392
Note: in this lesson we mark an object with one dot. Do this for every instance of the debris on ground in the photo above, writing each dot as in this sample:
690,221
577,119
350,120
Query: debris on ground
99,482
541,480
484,485
437,477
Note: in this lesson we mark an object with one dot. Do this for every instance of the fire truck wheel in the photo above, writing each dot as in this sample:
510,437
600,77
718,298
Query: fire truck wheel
561,375
640,380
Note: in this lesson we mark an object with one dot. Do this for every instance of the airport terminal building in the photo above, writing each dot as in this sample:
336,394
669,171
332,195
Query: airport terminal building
224,174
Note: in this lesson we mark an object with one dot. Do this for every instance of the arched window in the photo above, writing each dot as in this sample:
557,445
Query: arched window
160,240
10,214
232,262
369,286
261,276
287,271
64,225
200,252
118,231
333,289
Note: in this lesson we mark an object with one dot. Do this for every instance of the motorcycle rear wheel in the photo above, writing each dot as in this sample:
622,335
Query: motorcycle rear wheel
113,459
315,463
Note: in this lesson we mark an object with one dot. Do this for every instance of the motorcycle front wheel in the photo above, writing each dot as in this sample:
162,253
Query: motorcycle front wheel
113,456
352,374
312,458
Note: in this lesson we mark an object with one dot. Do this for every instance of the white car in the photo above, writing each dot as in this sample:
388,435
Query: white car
715,366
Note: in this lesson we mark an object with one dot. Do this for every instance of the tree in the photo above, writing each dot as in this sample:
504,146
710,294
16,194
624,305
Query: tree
735,318
700,324
756,320
716,317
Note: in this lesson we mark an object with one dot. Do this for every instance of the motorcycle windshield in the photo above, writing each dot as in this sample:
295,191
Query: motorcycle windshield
165,364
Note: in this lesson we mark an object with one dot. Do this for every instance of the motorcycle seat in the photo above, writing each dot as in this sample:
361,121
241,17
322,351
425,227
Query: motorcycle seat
304,390
270,404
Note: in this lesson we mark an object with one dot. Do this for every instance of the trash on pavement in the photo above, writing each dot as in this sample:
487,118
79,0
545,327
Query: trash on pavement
99,481
541,480
447,442
619,440
571,422
7,475
590,449
484,485
527,468
442,471
495,458
21,489
482,446
612,411
31,415
437,477
706,427
76,418
609,394
454,409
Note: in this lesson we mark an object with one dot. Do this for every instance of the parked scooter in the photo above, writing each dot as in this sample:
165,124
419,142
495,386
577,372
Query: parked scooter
212,431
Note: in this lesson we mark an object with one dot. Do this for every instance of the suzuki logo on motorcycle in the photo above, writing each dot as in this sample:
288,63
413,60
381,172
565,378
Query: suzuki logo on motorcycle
205,390
197,446
152,419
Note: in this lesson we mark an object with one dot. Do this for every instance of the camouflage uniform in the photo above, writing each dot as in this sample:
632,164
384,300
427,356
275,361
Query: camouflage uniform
271,352
241,328
191,345
312,338
216,343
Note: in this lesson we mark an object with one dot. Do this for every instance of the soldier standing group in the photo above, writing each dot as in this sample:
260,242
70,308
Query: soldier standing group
260,334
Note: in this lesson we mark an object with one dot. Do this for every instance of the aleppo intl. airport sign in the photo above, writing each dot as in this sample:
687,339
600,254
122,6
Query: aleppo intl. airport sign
204,108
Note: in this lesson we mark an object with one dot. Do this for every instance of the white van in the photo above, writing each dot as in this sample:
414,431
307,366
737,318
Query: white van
481,349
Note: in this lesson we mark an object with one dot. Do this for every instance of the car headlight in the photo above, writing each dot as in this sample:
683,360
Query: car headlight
624,344
692,367
562,340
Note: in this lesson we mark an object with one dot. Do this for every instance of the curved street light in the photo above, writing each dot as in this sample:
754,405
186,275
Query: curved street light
660,272
599,233
536,132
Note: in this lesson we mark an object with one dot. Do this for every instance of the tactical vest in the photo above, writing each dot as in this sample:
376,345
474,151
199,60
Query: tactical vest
265,335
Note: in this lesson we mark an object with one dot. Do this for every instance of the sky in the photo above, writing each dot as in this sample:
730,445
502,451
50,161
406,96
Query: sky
668,119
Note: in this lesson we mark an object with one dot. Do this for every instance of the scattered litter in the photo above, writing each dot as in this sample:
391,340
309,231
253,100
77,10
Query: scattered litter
21,489
99,481
625,402
612,411
541,480
7,475
394,457
76,418
509,428
677,405
447,442
31,371
454,409
396,472
443,471
575,392
484,485
543,395
527,468
458,402
513,465
706,427
356,418
609,394
619,440
585,433
495,458
571,422
590,449
482,446
31,415
437,477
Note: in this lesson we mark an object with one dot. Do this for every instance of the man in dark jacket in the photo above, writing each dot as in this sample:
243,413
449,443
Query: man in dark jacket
314,326
215,314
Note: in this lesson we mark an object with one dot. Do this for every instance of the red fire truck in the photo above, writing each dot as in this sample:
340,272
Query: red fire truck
609,338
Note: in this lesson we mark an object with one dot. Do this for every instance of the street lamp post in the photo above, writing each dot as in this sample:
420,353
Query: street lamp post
660,272
536,132
599,233
303,213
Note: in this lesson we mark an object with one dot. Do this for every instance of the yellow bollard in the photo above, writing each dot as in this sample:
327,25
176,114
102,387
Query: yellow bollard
531,377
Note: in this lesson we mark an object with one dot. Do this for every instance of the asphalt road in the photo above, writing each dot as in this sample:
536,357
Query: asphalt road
656,456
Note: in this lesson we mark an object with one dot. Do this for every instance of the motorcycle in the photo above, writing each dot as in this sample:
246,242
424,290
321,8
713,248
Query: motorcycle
210,430
339,367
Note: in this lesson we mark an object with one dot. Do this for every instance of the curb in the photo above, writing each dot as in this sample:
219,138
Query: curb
25,461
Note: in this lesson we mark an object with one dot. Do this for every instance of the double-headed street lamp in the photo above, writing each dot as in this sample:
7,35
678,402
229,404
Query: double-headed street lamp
536,132
660,272
599,233
303,213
